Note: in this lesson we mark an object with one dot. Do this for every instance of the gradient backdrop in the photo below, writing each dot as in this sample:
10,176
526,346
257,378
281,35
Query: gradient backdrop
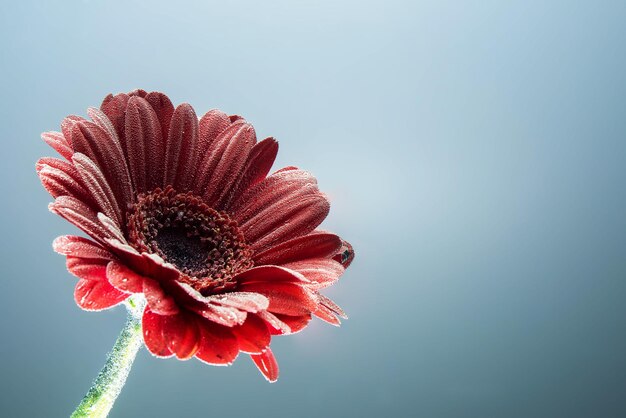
475,154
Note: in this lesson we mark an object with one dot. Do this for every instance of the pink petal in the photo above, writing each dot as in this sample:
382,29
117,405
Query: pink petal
218,345
315,245
94,295
267,364
253,335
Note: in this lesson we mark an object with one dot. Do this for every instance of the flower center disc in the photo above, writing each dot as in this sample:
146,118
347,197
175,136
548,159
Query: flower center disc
206,246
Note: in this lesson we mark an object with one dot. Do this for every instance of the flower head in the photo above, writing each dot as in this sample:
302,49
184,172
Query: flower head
184,212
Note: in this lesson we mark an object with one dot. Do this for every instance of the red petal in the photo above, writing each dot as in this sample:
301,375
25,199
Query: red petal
159,302
87,268
100,191
321,272
218,345
327,315
164,110
289,218
345,255
106,151
123,278
315,245
94,295
61,178
327,302
275,325
285,298
143,143
228,158
114,107
253,335
211,124
156,341
57,141
80,215
181,147
246,301
269,274
295,323
267,364
80,247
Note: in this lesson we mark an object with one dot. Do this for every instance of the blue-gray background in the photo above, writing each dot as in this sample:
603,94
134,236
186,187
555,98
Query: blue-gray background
475,153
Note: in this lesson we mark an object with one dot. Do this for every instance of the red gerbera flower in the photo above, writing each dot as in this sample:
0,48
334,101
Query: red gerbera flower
183,211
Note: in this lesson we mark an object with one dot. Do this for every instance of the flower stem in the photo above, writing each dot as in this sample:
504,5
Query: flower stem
100,398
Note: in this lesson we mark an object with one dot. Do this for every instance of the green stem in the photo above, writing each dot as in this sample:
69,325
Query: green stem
99,400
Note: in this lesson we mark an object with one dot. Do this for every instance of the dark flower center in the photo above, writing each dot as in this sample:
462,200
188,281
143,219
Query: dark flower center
206,246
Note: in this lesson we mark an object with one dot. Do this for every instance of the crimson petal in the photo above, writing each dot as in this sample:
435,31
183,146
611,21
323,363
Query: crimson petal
267,364
96,295
218,345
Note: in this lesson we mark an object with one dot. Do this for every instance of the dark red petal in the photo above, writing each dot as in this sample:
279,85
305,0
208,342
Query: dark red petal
229,156
271,190
269,274
99,118
267,364
164,109
327,315
106,151
114,108
123,278
99,188
158,301
253,335
181,148
61,178
60,144
93,295
345,255
156,341
75,246
321,272
259,163
315,245
289,218
218,345
211,157
211,124
295,323
87,268
285,298
80,215
230,167
143,142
